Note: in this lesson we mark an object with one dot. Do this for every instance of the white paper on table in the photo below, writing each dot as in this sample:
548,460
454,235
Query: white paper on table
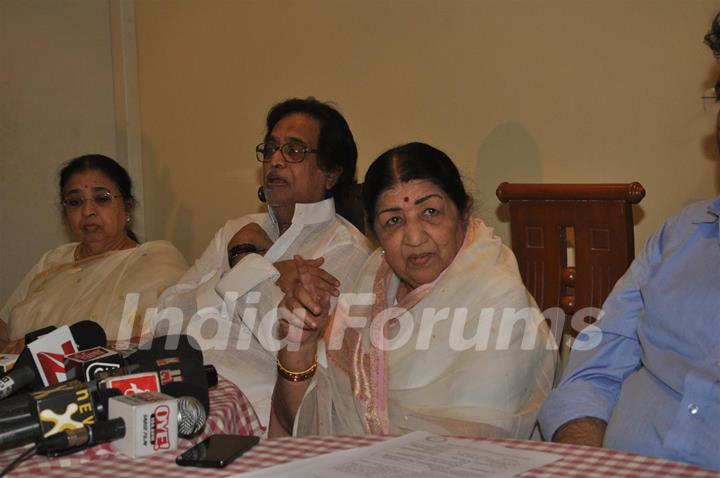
416,454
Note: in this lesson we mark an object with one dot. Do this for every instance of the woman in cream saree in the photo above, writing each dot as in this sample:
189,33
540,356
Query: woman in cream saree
447,342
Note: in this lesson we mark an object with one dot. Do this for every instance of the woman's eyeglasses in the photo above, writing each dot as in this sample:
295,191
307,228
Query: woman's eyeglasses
292,152
100,199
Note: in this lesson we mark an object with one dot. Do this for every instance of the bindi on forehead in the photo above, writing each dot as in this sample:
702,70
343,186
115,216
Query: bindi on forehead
406,199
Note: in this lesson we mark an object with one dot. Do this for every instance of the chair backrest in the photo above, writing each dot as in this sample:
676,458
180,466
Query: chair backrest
572,241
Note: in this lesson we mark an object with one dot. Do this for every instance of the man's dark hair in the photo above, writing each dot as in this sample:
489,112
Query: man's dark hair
712,39
336,146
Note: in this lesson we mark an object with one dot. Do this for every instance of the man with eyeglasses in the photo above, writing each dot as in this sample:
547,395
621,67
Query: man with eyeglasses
651,383
308,155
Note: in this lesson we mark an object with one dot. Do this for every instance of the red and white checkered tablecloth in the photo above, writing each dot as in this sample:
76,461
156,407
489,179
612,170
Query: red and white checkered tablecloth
230,413
577,461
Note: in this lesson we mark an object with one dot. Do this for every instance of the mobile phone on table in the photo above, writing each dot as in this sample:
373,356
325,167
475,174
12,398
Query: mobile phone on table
217,451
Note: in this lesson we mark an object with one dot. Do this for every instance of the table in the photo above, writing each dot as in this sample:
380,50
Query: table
577,461
230,413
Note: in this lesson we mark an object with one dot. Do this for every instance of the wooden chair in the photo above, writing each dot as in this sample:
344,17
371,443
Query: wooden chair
551,223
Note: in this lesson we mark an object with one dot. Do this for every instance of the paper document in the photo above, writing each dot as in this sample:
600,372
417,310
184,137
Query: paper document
418,454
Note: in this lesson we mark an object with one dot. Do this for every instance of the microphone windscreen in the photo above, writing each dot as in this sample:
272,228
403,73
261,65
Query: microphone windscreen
191,416
88,334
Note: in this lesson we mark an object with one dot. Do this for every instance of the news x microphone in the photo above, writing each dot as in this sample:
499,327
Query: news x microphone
42,361
65,406
151,411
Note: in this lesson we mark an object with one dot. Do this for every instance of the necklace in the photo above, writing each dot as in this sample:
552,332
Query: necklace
77,255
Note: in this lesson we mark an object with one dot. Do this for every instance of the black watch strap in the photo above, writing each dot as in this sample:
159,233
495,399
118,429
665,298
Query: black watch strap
239,250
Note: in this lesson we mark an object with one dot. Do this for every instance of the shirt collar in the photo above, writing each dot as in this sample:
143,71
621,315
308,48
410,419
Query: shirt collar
309,213
709,215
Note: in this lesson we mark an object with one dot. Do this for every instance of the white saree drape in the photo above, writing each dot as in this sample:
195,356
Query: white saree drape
470,353
61,291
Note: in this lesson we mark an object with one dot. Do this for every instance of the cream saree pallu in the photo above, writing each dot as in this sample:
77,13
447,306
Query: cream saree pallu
62,291
468,354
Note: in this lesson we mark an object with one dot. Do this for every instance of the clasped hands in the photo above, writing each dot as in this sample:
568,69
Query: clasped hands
304,312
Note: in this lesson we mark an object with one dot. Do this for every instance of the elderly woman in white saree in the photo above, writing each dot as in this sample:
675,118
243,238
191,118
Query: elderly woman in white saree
106,276
449,342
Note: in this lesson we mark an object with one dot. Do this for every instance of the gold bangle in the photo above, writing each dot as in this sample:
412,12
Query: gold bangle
296,376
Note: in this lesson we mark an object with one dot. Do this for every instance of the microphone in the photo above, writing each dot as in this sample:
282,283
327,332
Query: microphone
82,437
50,350
181,376
191,416
65,406
167,346
176,359
190,419
36,334
94,360
177,380
42,361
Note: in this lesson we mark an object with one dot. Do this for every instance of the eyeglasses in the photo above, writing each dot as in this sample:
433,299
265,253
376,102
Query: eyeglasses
100,200
292,152
711,95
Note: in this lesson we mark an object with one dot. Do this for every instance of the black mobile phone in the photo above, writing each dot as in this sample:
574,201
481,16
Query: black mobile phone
217,451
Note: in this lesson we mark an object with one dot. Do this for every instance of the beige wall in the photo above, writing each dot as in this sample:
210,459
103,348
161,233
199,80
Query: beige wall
56,102
546,91
528,90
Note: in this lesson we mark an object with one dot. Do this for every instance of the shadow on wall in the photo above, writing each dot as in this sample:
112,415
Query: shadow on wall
508,153
165,216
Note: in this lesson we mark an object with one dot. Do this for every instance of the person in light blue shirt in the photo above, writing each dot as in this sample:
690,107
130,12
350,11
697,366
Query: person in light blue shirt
649,381
654,378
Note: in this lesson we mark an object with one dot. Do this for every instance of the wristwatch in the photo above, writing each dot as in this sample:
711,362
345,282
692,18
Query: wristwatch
238,250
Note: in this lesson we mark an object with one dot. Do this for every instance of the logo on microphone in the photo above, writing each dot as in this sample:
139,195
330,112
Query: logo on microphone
171,375
64,409
60,422
135,383
96,367
53,364
160,434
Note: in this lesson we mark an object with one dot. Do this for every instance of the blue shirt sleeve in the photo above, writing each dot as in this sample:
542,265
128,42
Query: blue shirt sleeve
605,353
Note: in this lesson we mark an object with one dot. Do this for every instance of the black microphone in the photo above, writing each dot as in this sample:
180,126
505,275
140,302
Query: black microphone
23,409
86,334
82,437
178,361
18,432
64,406
167,346
181,376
